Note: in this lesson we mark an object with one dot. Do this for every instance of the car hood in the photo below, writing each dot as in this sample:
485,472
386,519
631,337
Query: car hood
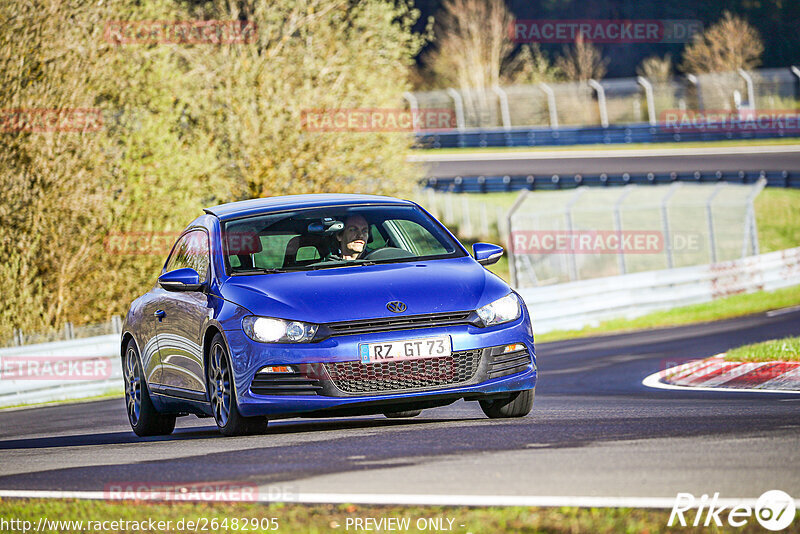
352,293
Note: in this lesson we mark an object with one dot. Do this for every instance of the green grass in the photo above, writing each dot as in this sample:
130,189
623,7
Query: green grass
786,349
333,518
724,308
610,147
778,219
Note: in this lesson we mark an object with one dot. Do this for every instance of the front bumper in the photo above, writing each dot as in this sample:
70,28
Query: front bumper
330,378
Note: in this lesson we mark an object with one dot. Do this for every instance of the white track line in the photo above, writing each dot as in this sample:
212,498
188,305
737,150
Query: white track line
418,499
654,381
601,154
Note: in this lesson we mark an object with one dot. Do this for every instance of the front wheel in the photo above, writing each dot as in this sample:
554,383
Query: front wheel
519,404
222,395
142,415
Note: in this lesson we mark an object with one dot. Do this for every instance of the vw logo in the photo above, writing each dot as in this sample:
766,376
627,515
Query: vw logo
396,306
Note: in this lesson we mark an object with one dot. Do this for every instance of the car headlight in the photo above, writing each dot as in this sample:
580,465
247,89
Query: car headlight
271,330
501,310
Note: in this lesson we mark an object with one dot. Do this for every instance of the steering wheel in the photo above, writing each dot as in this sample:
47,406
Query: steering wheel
388,253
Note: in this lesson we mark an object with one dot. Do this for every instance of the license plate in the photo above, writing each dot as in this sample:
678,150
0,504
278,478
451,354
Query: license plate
411,349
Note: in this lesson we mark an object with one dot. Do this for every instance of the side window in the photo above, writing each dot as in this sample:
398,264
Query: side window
420,239
190,251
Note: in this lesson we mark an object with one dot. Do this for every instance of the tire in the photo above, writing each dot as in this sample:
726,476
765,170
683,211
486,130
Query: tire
222,394
519,404
400,415
142,415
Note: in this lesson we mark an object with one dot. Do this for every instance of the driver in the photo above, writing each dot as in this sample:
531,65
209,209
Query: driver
353,238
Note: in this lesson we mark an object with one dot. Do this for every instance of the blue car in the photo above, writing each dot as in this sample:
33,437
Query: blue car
323,306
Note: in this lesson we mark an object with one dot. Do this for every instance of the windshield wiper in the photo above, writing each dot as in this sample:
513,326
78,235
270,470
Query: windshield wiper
258,270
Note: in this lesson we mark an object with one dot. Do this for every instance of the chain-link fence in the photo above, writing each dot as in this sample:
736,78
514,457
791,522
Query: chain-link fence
614,101
560,236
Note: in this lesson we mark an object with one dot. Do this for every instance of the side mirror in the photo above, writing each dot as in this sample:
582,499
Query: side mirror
486,253
185,279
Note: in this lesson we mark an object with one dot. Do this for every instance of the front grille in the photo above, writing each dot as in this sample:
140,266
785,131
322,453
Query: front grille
284,384
403,375
387,324
509,364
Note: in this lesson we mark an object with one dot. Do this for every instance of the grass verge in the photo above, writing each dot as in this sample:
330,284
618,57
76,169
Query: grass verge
724,308
112,395
610,147
334,518
786,349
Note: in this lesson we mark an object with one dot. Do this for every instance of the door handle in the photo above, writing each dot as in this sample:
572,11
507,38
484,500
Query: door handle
160,314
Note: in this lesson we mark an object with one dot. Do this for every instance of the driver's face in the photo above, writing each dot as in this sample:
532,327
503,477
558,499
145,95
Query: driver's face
354,237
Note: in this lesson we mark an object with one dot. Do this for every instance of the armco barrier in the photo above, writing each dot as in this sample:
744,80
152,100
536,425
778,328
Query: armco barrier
585,135
34,389
574,305
549,182
562,306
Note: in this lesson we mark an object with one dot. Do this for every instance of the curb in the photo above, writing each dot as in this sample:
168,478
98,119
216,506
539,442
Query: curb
715,373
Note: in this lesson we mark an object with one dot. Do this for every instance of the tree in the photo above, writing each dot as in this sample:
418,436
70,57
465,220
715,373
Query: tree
184,126
730,44
582,62
656,69
472,42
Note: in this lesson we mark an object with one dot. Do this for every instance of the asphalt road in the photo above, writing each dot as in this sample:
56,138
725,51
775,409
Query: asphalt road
595,431
775,158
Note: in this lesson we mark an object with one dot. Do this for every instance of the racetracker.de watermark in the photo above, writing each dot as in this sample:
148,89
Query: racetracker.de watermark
601,242
377,120
214,491
50,120
32,367
124,32
725,120
604,30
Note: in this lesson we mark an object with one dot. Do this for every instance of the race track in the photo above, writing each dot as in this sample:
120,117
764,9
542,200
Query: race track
613,161
595,431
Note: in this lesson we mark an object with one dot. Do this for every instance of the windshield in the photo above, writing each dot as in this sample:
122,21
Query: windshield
331,237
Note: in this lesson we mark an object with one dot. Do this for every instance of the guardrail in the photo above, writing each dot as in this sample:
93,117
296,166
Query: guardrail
574,305
532,182
61,370
585,135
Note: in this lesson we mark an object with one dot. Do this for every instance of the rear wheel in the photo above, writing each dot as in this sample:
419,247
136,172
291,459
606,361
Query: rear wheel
142,415
400,415
222,395
519,404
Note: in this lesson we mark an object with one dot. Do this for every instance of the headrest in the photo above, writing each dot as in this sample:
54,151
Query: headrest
243,243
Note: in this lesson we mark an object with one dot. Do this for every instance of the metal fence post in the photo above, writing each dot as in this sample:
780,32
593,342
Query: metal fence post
665,223
751,94
618,225
484,221
116,324
551,104
601,102
710,218
448,208
459,106
648,94
694,80
750,230
413,105
512,267
504,111
466,216
573,262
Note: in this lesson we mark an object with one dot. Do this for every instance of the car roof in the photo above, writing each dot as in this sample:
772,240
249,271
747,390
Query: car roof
244,208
